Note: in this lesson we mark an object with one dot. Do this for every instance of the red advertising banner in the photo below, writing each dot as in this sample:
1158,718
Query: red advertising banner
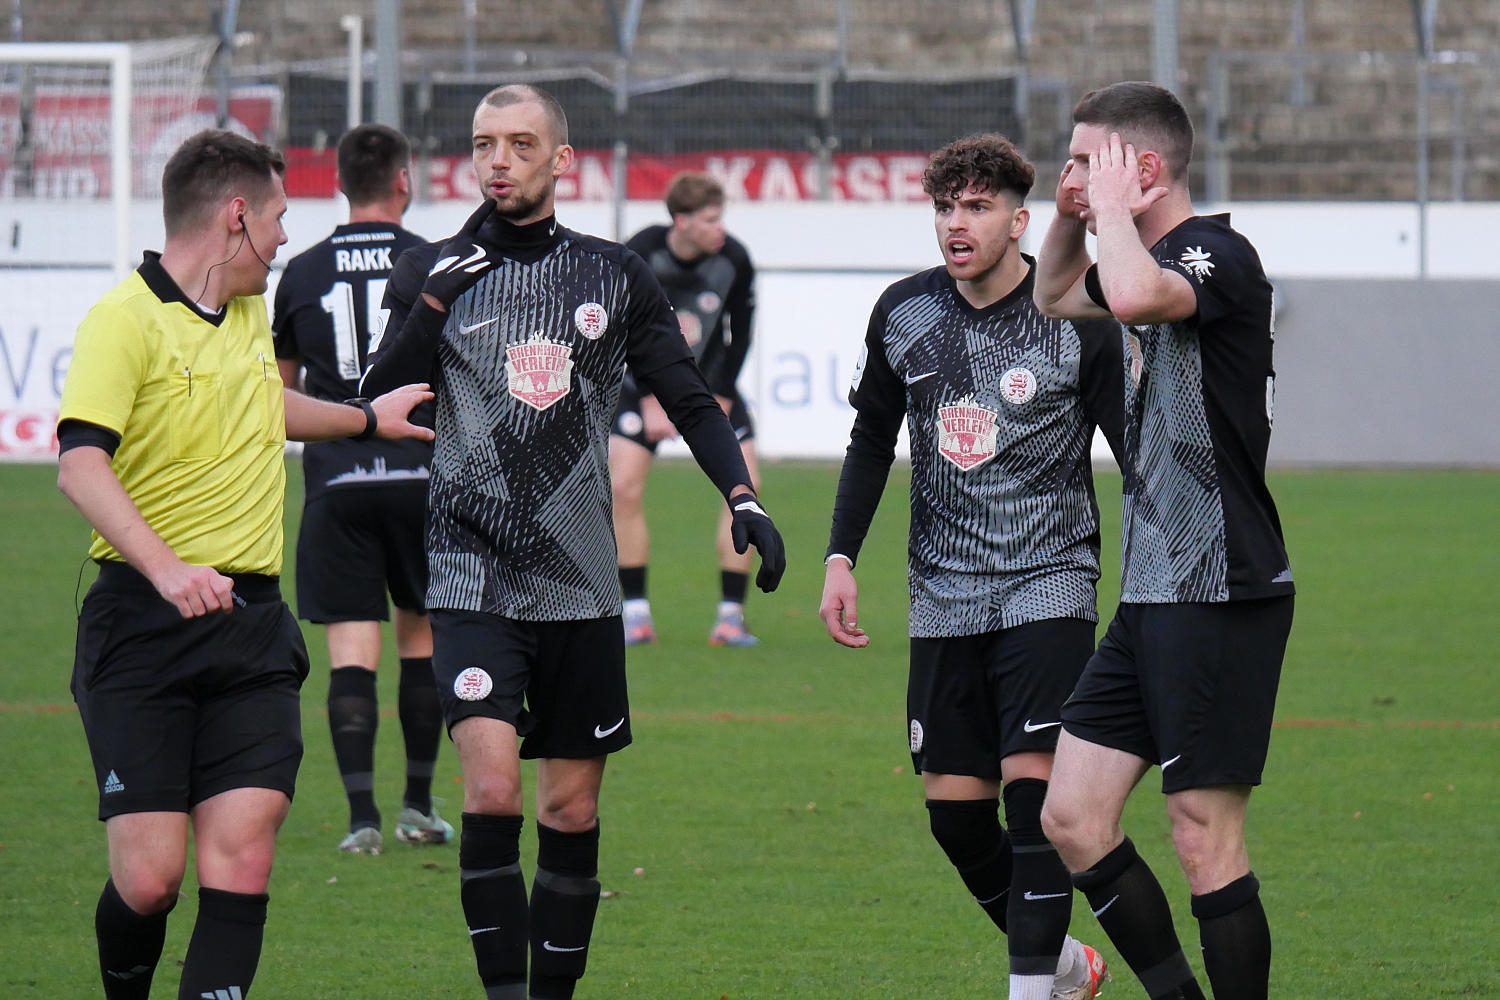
748,175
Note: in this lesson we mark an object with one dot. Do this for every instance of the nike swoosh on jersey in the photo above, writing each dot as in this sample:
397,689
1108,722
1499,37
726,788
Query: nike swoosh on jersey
600,732
914,379
1031,727
471,327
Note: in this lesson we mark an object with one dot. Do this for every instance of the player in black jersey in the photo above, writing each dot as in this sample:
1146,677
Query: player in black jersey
1001,404
708,276
364,501
526,328
1187,672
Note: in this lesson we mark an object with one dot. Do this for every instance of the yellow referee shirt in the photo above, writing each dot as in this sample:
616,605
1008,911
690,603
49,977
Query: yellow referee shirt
197,402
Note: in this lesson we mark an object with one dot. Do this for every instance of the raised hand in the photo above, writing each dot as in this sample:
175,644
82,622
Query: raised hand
462,261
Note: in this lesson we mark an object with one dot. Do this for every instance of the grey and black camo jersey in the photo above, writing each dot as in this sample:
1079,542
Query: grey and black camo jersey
527,376
1199,521
1001,405
714,297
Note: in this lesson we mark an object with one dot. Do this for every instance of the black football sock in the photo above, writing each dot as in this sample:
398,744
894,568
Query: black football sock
632,583
353,717
129,945
733,586
1236,940
564,900
1132,909
494,901
969,832
225,947
421,729
1041,893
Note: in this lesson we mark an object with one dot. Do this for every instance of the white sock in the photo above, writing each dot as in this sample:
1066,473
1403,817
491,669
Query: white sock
638,606
1072,964
1030,987
727,608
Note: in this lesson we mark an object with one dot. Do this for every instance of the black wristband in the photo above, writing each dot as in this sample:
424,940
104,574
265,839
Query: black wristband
370,420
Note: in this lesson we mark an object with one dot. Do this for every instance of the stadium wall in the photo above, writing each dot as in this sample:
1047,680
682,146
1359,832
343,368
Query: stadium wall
1375,367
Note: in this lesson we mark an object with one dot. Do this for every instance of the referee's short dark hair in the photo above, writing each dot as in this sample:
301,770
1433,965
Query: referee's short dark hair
987,161
691,191
370,157
210,167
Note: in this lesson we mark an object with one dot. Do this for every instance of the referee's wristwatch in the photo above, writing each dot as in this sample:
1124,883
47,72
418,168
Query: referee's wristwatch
370,421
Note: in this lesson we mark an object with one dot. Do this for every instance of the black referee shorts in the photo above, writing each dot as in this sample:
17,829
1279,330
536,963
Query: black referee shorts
1191,687
177,710
629,423
357,544
560,683
973,700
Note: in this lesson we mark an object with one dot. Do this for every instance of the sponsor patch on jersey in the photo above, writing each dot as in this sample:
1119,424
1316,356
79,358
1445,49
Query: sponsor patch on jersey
709,302
473,684
1018,386
966,433
591,320
1198,261
916,736
692,327
539,372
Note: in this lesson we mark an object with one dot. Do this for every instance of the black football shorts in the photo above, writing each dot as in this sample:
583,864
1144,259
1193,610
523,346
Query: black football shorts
1190,687
973,700
560,683
357,544
629,423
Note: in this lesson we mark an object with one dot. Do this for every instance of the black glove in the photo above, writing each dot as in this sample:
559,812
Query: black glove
462,261
750,524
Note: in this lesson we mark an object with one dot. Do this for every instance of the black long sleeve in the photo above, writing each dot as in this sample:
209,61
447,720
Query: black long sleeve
696,414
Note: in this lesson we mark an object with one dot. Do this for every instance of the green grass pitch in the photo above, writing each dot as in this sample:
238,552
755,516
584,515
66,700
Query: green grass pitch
765,836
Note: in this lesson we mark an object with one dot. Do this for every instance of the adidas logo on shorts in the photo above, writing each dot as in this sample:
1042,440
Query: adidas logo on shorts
113,783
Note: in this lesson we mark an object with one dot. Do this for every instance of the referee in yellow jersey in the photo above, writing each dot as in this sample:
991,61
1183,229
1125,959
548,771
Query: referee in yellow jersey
188,662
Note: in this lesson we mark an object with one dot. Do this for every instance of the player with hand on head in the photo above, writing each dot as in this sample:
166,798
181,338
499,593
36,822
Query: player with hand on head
365,501
708,276
1001,404
172,432
1187,672
526,328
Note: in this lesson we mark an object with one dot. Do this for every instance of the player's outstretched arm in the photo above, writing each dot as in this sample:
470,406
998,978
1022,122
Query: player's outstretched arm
750,525
309,419
85,476
839,607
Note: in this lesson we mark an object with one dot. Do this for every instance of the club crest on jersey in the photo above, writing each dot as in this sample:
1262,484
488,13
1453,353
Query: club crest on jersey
966,433
1018,386
692,327
539,372
473,684
709,302
591,320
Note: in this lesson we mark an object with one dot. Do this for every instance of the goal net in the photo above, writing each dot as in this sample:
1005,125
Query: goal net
85,130
84,133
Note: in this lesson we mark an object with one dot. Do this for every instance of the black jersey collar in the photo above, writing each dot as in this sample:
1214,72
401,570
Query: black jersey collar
1022,292
163,287
525,243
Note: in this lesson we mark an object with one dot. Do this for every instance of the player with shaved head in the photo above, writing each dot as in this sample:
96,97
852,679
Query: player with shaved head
526,329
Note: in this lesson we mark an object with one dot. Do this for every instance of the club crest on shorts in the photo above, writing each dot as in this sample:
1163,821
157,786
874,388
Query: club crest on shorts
473,684
539,372
591,320
916,736
630,423
966,433
1018,386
